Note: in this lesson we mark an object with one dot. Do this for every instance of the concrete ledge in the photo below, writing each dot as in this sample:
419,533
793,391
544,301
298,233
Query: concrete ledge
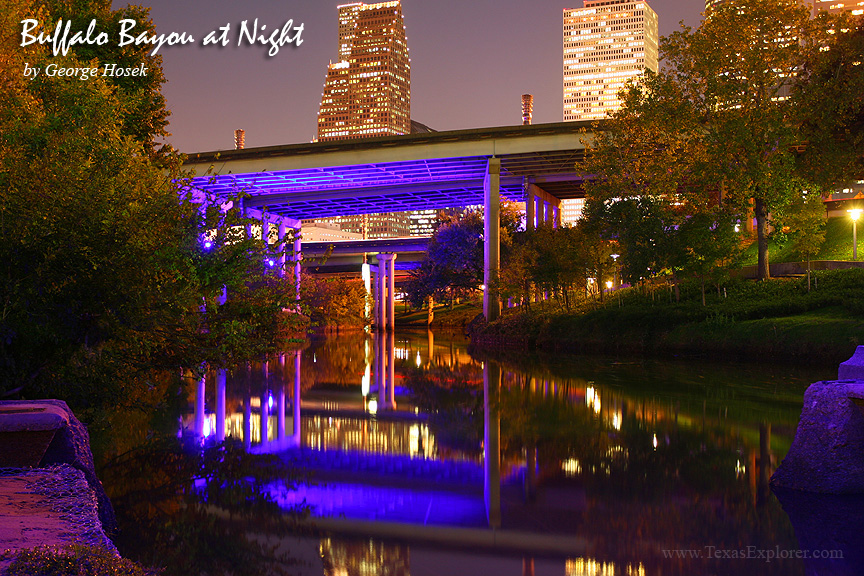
853,368
31,416
26,431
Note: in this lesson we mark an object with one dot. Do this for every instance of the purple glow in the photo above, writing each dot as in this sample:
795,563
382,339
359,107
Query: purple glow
270,401
271,262
208,244
359,501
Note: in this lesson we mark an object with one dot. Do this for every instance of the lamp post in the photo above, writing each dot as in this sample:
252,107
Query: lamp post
855,213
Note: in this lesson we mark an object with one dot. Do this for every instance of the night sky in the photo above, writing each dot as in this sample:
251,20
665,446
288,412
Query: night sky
471,60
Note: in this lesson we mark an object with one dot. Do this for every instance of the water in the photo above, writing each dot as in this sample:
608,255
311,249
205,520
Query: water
409,448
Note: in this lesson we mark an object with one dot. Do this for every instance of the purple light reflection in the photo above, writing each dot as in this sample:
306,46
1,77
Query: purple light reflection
365,502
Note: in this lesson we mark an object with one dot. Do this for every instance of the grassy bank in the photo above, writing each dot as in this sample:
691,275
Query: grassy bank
445,317
778,319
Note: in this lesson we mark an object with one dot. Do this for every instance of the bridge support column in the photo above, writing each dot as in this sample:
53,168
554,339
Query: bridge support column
265,403
492,443
281,243
491,232
385,297
530,205
381,293
296,421
538,212
298,257
391,291
221,378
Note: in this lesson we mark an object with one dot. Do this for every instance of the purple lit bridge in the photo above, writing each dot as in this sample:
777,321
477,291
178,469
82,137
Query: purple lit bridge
535,164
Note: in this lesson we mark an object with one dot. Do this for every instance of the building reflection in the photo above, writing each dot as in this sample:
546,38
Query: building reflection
363,558
588,453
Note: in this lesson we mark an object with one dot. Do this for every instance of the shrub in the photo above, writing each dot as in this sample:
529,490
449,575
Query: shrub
74,560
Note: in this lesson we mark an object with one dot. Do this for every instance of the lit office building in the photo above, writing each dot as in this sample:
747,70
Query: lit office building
370,226
368,91
606,44
855,7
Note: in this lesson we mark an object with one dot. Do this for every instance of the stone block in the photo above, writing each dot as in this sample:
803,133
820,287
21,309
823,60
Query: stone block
827,454
26,431
853,369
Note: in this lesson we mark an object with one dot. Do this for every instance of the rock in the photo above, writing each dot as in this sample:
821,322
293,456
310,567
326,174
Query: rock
828,526
827,454
853,369
71,445
26,430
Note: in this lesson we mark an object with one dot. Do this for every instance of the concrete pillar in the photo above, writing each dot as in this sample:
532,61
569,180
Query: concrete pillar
391,370
296,406
380,369
556,216
530,206
298,258
491,246
221,379
200,394
376,299
247,409
280,414
391,291
265,402
381,294
492,443
538,211
386,290
281,244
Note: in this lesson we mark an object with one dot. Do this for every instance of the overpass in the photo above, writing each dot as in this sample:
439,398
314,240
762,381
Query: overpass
535,164
345,257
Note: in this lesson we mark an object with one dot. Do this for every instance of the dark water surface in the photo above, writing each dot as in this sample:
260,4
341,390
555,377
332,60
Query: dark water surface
409,448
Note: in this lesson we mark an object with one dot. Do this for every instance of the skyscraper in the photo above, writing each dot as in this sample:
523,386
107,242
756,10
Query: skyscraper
368,91
855,7
606,44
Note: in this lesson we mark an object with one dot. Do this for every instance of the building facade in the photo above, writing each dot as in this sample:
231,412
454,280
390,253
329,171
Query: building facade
855,7
606,44
367,92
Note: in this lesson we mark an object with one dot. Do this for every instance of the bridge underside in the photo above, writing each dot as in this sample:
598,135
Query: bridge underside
536,164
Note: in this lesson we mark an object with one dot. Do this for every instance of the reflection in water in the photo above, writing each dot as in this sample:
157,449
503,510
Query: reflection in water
630,459
363,558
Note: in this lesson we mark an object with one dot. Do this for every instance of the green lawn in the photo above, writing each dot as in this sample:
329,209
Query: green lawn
837,246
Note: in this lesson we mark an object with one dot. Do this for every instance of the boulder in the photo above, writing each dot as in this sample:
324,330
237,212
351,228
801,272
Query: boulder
827,454
71,445
853,369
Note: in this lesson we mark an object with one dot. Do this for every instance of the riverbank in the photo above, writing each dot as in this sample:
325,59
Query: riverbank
778,320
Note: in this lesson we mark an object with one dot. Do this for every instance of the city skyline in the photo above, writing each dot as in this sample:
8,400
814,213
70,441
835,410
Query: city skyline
470,64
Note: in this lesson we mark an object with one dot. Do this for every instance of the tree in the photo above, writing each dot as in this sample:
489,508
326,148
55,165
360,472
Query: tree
805,220
107,284
713,128
829,101
454,259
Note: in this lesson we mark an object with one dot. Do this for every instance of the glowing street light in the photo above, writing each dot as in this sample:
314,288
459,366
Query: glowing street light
855,213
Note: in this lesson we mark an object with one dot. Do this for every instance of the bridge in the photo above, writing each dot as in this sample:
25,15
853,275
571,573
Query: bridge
535,164
345,257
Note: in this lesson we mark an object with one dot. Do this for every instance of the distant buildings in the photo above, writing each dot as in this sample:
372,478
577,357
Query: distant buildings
856,7
606,44
367,92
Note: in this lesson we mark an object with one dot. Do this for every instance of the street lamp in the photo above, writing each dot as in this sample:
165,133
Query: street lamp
855,213
614,267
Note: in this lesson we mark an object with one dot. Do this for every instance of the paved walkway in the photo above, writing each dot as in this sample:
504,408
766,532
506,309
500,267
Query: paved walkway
47,507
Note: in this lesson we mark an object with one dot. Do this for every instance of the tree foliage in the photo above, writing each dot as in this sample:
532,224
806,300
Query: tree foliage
712,131
829,97
453,265
107,284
